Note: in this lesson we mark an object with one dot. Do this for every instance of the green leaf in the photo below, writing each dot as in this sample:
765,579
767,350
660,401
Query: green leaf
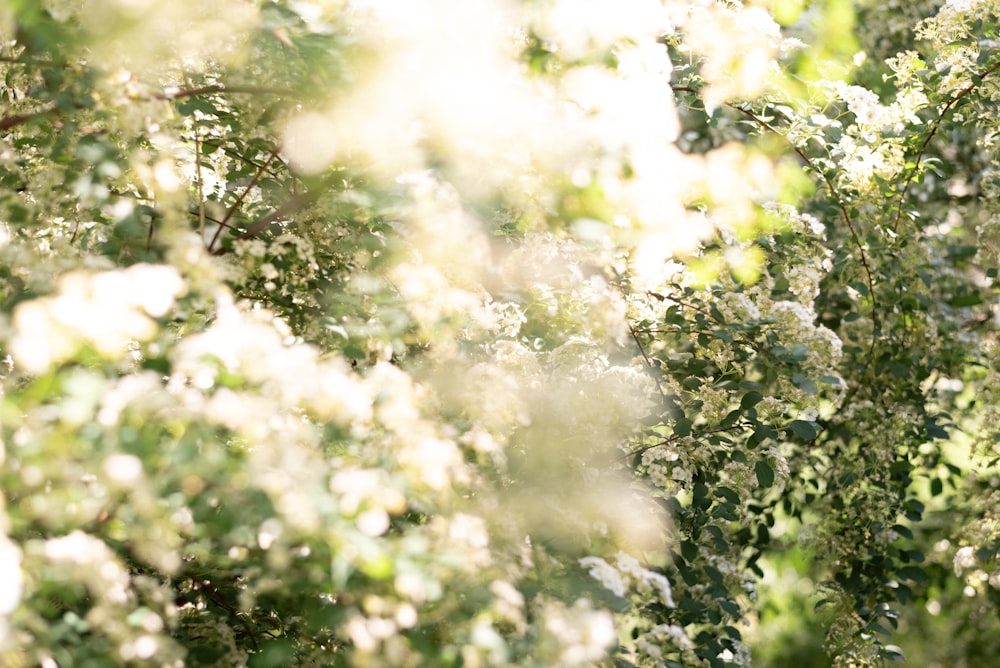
751,399
970,299
803,429
713,573
726,511
765,474
893,653
804,383
273,653
727,494
913,573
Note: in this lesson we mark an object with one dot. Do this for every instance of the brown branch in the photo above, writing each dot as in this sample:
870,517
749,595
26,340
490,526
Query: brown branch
201,188
12,121
649,362
149,235
242,196
218,598
236,156
836,198
856,238
965,92
681,302
826,179
219,88
294,204
850,226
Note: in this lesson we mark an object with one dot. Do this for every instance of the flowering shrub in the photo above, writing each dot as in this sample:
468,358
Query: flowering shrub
541,334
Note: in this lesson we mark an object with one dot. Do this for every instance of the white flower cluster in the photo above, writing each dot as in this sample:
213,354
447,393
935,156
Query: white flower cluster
664,639
659,464
739,67
11,584
253,348
576,635
905,66
105,310
369,497
952,24
629,576
862,163
872,146
88,561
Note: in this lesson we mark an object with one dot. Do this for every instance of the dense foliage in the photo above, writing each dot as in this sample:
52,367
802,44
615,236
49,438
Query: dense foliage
552,333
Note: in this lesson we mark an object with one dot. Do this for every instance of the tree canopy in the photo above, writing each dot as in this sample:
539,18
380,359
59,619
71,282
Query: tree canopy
499,333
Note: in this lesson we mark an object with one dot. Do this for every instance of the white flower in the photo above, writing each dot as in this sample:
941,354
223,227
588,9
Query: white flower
581,633
965,557
106,310
606,574
11,583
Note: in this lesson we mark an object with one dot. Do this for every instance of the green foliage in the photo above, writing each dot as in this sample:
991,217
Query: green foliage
455,334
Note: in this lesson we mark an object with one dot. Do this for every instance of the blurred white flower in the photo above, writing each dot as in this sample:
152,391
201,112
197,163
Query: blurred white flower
12,581
105,310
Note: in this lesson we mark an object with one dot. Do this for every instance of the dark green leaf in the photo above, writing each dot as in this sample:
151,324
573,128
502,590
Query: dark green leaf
765,474
751,399
803,429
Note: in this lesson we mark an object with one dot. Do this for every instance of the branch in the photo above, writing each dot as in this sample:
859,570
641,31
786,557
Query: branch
219,88
242,196
839,202
649,362
292,205
965,92
236,156
677,437
8,122
218,598
836,198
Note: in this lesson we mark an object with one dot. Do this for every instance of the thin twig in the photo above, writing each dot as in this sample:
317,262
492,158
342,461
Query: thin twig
149,235
677,437
217,89
294,204
836,198
649,362
8,122
856,238
236,156
242,196
201,189
965,92
217,597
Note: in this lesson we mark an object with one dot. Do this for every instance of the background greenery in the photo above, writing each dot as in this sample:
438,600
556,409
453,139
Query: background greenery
553,333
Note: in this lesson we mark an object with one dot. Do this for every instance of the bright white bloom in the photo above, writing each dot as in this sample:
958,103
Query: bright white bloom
606,574
581,634
89,560
106,310
11,582
629,574
665,637
965,558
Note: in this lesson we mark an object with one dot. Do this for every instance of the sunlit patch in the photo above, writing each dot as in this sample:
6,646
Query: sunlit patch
310,141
